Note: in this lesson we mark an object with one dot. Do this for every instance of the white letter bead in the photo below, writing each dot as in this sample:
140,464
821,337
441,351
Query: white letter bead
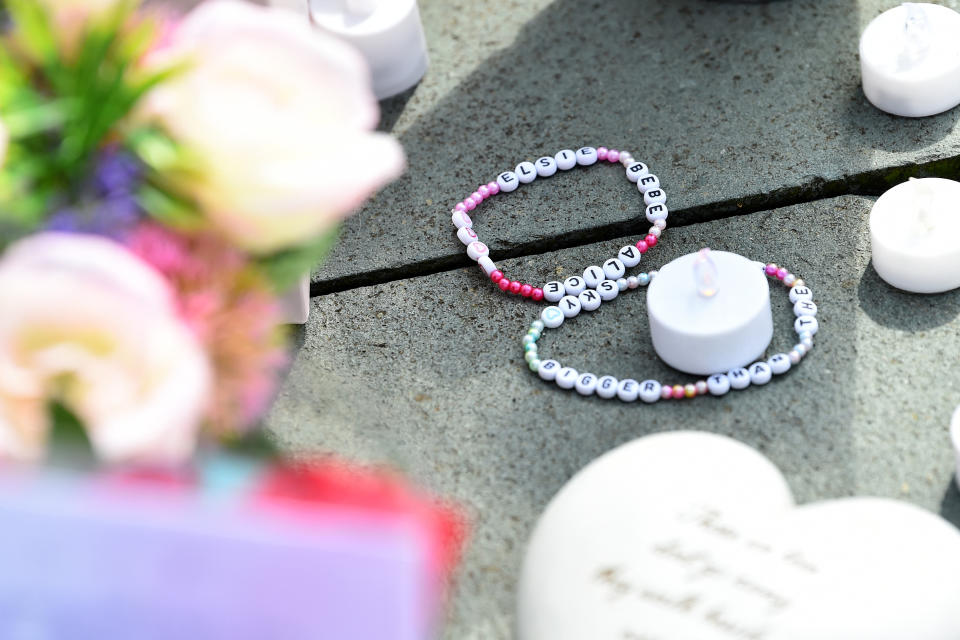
477,250
636,170
552,317
608,290
607,387
739,378
553,291
805,308
586,156
717,384
570,306
779,363
586,384
629,256
589,300
526,172
613,269
461,219
800,293
648,182
654,196
467,235
593,276
508,181
628,390
760,373
806,323
548,369
650,391
566,159
487,265
574,285
656,212
546,166
567,377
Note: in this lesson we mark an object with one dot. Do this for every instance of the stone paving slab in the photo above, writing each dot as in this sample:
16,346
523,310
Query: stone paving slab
427,374
737,108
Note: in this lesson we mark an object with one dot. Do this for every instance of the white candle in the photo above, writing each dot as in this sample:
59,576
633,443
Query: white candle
915,235
704,334
910,60
388,34
955,438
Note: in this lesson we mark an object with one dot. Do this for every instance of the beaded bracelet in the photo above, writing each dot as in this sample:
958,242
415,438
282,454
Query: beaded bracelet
526,172
718,384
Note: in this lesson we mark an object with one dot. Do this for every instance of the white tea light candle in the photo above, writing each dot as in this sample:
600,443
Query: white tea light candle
915,235
709,319
388,34
910,60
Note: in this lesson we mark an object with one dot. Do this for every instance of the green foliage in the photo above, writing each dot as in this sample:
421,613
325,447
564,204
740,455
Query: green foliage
60,106
284,268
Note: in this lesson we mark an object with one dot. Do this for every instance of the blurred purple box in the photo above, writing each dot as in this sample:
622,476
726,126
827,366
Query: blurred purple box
82,560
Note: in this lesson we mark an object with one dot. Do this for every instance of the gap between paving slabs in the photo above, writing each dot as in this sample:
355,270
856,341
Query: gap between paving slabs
869,183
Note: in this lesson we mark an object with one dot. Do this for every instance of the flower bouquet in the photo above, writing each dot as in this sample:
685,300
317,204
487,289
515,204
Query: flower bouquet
164,180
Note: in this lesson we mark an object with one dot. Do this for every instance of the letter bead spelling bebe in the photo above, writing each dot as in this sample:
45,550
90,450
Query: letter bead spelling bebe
544,167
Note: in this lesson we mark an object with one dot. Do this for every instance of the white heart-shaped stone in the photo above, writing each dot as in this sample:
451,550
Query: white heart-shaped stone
691,535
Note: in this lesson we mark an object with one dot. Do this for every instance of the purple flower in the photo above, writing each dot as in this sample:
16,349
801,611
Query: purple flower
116,172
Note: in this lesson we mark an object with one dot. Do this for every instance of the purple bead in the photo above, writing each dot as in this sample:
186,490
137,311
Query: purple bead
770,269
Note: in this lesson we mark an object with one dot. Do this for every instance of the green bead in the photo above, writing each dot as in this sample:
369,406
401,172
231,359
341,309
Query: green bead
534,365
530,347
530,356
537,324
528,339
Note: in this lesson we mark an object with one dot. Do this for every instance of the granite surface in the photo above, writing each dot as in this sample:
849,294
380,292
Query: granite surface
428,374
737,108
753,118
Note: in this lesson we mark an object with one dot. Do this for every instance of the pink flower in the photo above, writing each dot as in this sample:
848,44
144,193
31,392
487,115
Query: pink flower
280,116
86,323
233,312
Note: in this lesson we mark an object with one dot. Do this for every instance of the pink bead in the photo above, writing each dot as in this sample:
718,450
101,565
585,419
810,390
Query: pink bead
782,273
537,294
494,188
678,391
526,290
613,155
515,286
770,269
471,203
642,246
460,207
602,153
477,197
651,240
496,275
666,392
503,283
484,191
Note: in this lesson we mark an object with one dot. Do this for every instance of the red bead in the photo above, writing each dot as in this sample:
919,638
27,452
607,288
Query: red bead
496,275
537,294
526,290
503,283
642,246
515,286
651,240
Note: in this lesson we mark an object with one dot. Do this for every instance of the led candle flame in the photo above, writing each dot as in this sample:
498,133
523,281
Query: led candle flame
916,28
705,274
